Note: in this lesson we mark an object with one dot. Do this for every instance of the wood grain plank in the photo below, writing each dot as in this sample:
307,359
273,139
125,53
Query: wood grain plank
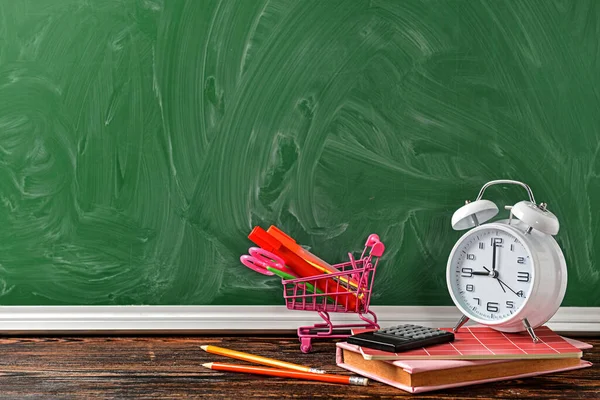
170,367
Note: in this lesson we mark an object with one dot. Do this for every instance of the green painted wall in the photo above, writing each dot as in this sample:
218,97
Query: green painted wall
140,140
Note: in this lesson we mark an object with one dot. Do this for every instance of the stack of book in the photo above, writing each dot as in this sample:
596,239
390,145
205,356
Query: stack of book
477,355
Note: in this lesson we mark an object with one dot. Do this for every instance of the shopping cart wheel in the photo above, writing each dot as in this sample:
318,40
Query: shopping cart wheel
305,345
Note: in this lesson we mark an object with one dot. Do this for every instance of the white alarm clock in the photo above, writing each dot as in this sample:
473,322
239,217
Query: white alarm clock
509,274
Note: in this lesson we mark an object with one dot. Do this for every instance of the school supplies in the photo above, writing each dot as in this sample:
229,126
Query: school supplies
312,259
283,373
361,270
418,376
401,338
302,268
313,290
259,359
284,276
485,343
261,260
267,263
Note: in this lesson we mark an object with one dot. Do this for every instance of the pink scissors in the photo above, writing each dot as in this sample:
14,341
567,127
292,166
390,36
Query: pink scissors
260,259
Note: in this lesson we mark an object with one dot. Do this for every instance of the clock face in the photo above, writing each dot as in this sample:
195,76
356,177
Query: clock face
490,274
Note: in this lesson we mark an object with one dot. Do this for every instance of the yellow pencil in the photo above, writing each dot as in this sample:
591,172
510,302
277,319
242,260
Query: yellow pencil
259,360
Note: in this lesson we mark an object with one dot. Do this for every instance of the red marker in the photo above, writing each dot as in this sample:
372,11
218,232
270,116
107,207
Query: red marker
315,261
301,267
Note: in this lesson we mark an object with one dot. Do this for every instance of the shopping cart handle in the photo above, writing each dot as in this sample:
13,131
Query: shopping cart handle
372,239
377,249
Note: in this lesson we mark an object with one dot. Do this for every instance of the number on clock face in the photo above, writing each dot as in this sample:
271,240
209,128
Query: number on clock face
491,274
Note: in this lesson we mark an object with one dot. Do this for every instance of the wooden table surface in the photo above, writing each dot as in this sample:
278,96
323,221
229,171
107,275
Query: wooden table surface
170,367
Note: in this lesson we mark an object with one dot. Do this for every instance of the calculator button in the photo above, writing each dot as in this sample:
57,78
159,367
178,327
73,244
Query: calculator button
402,337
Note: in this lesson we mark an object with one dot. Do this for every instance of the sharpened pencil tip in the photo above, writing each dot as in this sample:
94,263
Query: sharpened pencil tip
207,365
204,347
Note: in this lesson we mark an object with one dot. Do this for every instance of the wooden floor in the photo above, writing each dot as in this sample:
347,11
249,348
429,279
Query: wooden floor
170,367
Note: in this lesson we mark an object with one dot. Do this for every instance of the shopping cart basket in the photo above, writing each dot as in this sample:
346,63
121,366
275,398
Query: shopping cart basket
346,291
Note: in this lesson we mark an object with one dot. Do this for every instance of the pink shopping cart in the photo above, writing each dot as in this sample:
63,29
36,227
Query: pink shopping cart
352,285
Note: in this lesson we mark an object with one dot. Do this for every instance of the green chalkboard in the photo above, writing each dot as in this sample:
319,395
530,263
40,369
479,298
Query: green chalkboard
141,140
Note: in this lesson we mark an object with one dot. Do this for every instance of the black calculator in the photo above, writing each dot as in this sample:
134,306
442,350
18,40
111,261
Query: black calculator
401,338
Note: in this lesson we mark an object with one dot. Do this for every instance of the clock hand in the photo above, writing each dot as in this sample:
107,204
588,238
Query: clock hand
494,257
494,274
482,273
502,283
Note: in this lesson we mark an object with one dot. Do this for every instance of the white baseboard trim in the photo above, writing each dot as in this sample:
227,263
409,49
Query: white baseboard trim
212,319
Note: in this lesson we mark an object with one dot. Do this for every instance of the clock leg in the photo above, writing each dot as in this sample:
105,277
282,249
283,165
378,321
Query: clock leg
530,331
463,320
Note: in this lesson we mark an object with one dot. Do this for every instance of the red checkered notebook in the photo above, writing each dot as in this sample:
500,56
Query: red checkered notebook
483,343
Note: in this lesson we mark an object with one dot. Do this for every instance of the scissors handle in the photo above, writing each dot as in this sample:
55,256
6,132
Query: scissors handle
255,265
259,259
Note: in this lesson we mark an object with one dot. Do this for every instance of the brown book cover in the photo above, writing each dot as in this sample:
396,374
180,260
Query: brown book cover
425,375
